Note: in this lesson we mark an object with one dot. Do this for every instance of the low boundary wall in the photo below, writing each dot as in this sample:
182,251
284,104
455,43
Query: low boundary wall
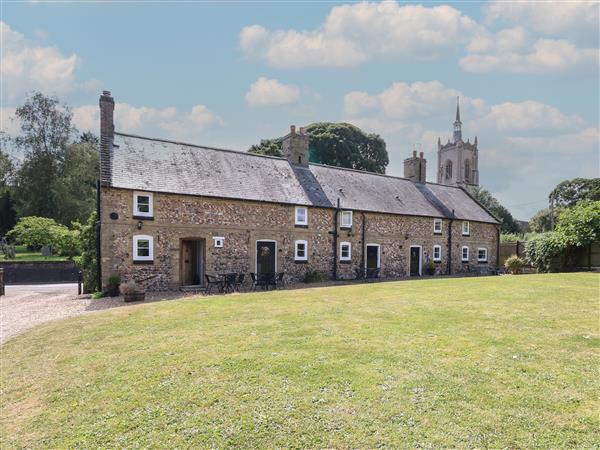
25,272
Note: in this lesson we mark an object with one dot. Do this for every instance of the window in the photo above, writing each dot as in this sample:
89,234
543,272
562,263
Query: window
482,254
467,171
218,241
448,169
143,248
437,252
465,228
142,204
465,254
301,216
301,251
345,251
437,226
346,219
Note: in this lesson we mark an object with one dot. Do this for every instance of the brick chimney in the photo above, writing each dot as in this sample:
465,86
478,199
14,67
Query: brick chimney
415,168
295,147
107,134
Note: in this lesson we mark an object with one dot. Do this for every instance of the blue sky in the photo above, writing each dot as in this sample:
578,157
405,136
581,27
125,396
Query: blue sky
230,74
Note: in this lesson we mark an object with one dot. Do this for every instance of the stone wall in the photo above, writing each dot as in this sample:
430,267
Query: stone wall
242,223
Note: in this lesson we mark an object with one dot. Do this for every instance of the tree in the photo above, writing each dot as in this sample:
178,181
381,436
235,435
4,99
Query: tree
571,192
46,129
483,196
579,225
76,186
337,144
540,222
8,216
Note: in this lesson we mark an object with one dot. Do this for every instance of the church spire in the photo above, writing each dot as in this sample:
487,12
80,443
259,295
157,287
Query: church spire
457,124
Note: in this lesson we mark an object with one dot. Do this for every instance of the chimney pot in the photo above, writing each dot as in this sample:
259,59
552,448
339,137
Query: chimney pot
414,153
421,155
292,129
302,131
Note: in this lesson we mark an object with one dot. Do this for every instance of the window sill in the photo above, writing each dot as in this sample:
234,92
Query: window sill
437,260
482,262
144,217
301,261
345,228
345,261
300,226
437,233
466,235
136,262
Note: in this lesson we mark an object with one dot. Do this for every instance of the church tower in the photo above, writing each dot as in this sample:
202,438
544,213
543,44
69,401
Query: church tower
458,160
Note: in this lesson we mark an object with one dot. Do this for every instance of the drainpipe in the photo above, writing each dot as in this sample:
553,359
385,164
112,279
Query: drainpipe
450,244
498,246
335,239
98,243
364,244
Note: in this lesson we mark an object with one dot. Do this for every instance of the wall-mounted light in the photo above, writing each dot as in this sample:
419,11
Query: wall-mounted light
406,236
140,224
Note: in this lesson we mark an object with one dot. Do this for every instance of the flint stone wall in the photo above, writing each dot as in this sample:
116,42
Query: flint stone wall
242,223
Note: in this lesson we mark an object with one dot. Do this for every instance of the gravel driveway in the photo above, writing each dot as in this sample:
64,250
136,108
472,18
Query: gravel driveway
26,306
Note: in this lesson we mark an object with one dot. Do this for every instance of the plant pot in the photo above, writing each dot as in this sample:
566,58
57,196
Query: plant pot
112,291
134,296
430,270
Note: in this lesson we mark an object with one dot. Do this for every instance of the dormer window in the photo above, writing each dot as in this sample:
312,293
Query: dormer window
346,219
142,205
301,216
437,226
466,228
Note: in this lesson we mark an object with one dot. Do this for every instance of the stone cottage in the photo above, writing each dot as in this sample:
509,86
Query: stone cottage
172,212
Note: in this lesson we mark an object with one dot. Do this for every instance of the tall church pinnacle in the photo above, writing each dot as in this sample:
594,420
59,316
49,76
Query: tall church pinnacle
457,124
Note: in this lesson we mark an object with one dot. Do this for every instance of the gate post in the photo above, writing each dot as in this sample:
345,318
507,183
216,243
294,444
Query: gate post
2,282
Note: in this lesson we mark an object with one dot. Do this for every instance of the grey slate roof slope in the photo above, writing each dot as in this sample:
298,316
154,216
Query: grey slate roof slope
163,166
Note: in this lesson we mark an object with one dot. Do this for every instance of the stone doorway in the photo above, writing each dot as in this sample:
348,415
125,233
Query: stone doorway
266,257
373,257
415,260
192,262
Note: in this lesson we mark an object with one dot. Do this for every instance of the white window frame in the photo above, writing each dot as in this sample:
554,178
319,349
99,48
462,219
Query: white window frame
296,220
345,214
439,258
466,228
136,212
486,254
218,241
296,256
349,257
462,254
143,237
436,222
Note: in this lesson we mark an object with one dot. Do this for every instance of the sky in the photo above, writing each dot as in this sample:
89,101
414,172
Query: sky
229,74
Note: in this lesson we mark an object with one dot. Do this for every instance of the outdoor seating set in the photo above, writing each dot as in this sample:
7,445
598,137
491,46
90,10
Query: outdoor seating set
234,282
368,274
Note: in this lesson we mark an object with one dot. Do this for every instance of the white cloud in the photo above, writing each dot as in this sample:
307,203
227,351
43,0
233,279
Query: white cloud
352,34
547,17
508,53
8,124
25,66
528,115
582,141
265,92
147,120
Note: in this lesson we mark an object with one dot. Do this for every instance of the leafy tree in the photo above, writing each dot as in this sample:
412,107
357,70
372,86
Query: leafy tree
35,232
337,144
540,222
87,261
546,252
46,129
483,196
76,186
579,225
8,216
571,192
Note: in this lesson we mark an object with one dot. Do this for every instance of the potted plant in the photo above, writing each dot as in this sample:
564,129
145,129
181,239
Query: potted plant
112,287
132,292
430,267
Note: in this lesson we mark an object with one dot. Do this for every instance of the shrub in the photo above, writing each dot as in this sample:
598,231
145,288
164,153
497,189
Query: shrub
97,294
313,276
35,232
514,264
546,252
580,225
87,260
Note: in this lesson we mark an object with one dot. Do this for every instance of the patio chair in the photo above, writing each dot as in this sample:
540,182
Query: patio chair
229,282
239,282
373,273
258,279
279,280
212,281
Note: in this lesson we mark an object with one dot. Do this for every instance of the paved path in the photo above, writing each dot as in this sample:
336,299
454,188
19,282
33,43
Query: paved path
25,306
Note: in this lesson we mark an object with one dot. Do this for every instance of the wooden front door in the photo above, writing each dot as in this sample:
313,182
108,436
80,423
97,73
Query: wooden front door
415,261
372,257
192,262
266,257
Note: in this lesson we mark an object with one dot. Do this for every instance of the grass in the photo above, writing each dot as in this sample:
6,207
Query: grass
22,254
503,362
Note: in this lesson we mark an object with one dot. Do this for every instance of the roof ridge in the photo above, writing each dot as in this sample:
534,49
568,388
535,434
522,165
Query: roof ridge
206,147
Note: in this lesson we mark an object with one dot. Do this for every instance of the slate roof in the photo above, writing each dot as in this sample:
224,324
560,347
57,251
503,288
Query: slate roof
157,165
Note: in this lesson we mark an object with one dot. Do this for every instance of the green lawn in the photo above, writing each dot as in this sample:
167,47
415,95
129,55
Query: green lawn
22,254
503,362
